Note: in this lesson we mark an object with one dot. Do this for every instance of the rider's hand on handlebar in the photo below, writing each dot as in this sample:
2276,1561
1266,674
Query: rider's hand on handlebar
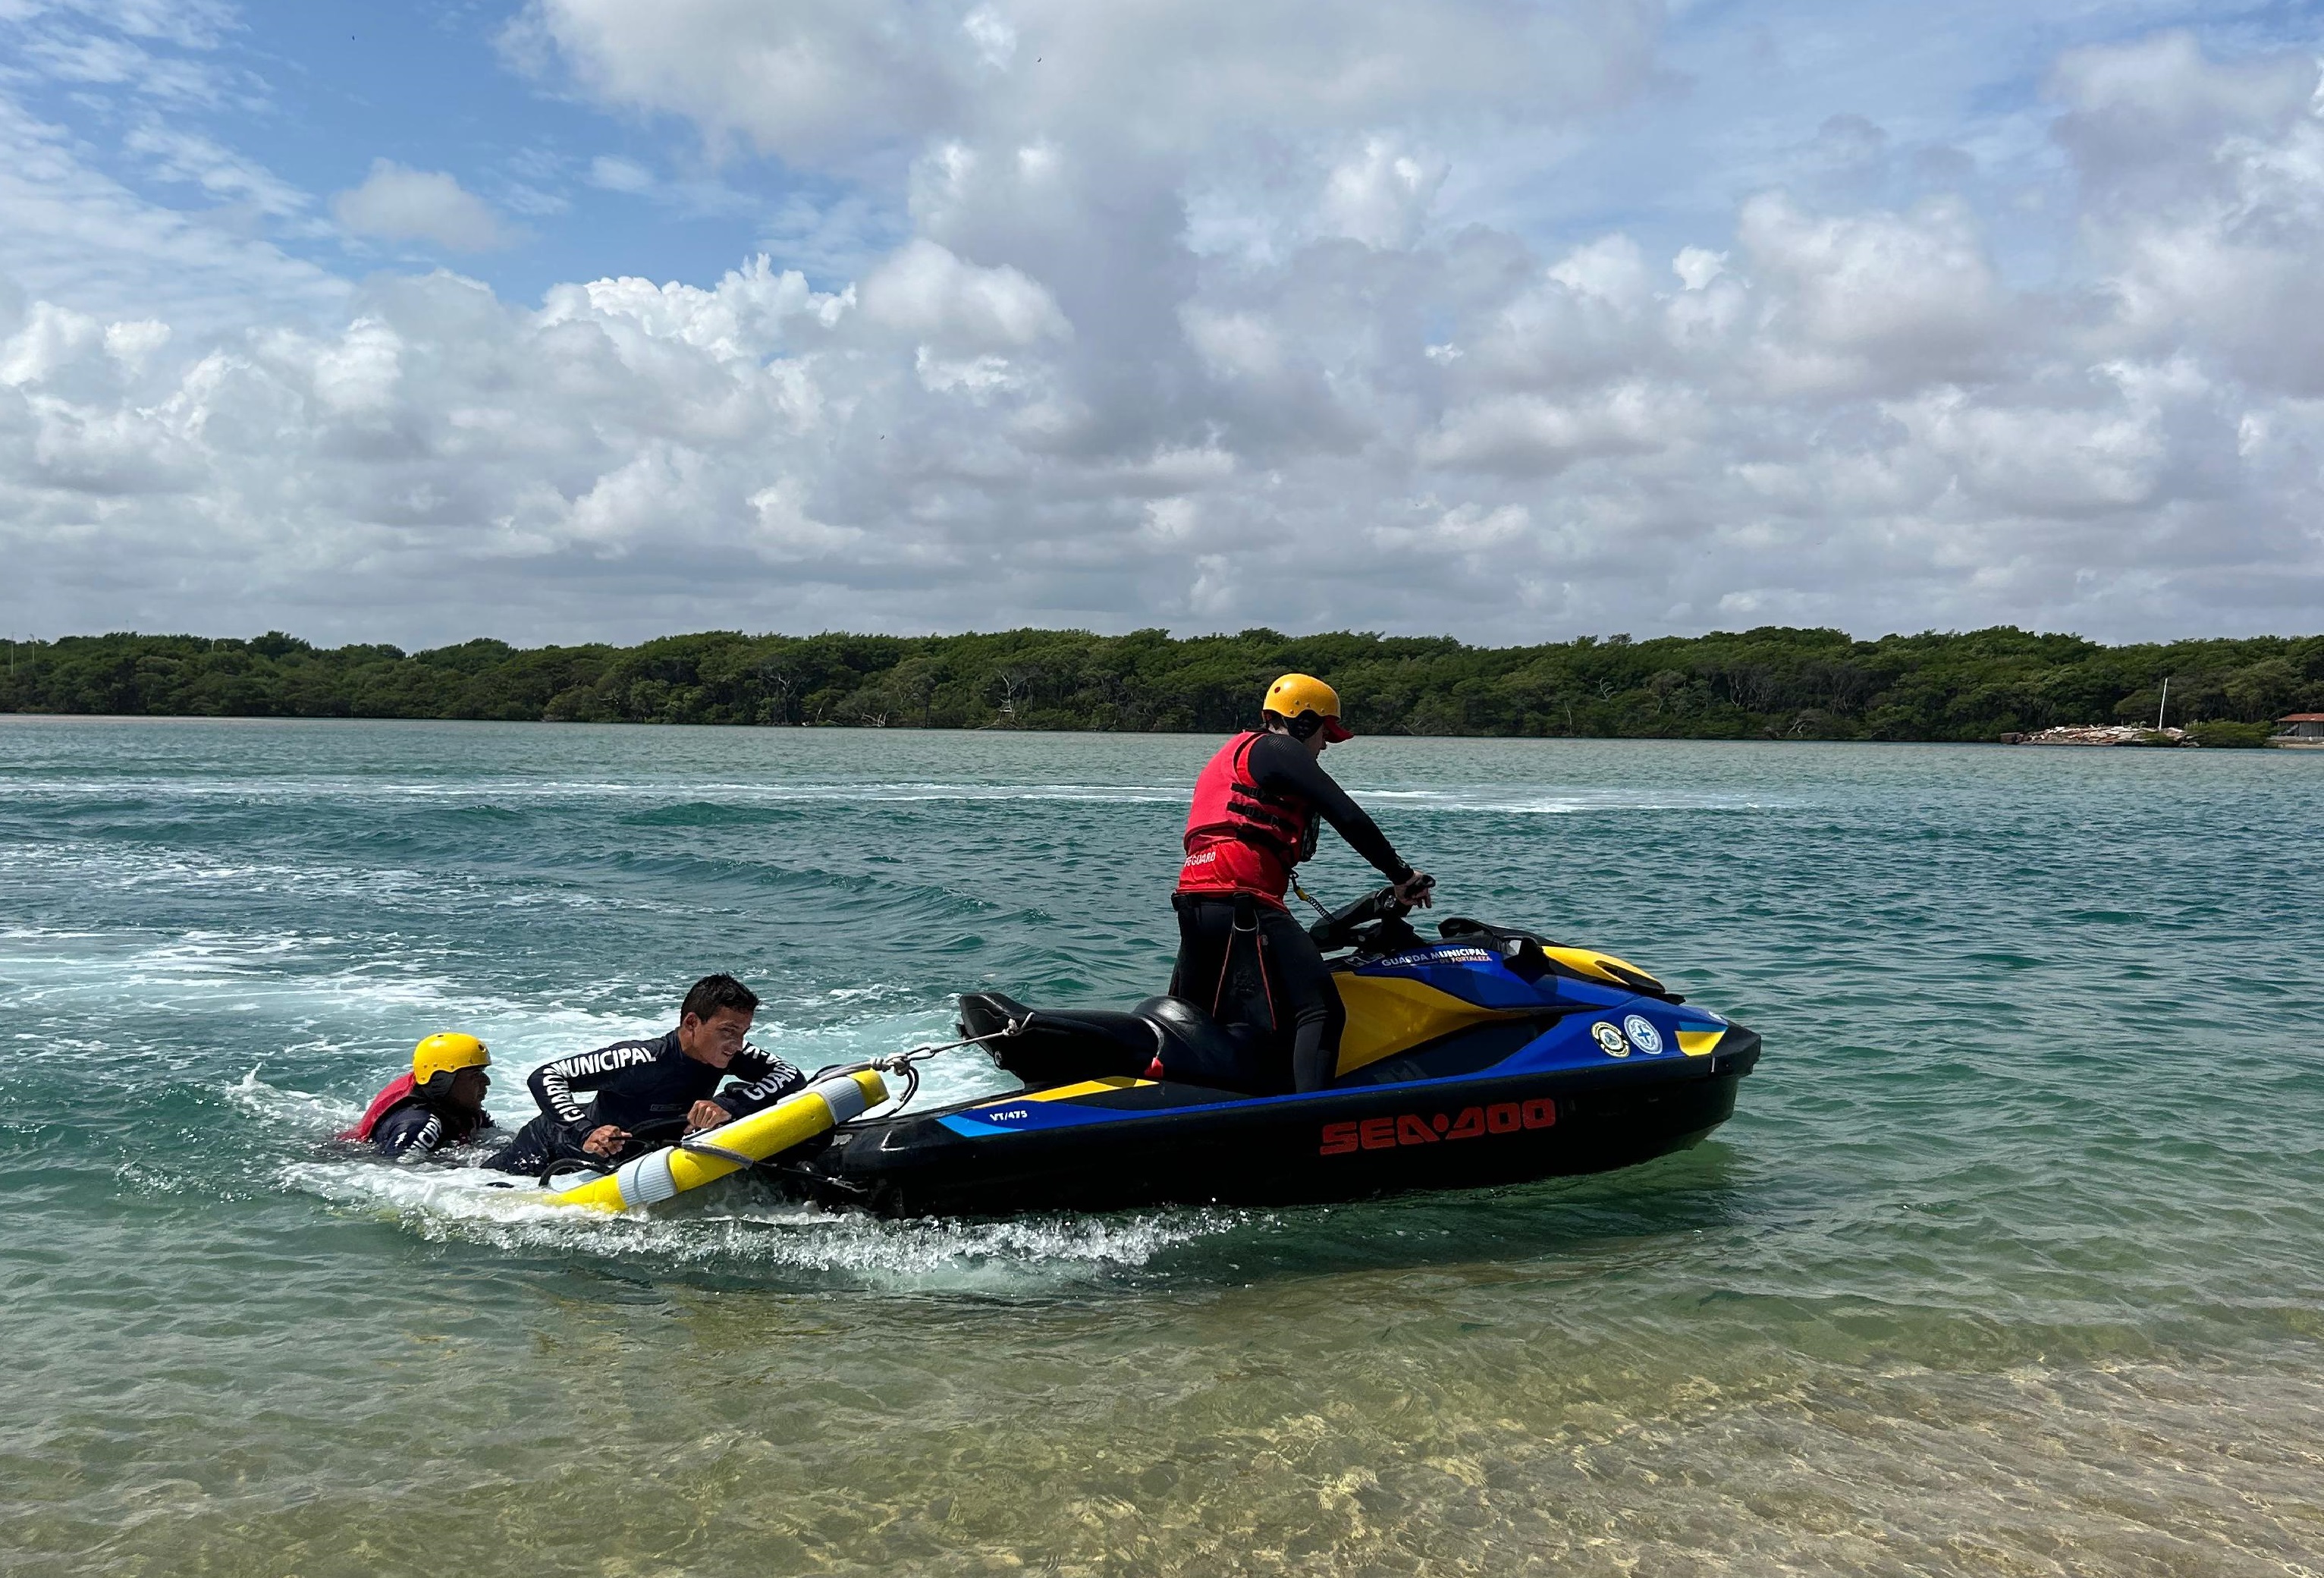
1416,890
606,1140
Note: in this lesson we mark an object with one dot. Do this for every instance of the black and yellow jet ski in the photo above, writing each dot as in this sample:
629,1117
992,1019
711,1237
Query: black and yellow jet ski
1490,1055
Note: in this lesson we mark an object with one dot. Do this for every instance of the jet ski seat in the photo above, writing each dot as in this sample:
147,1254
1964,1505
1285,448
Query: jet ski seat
1057,1046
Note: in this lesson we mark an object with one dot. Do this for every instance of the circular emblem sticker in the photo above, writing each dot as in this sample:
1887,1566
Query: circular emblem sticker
1643,1033
1610,1039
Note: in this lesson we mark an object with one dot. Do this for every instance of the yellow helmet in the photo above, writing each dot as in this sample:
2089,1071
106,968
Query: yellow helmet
1295,694
446,1052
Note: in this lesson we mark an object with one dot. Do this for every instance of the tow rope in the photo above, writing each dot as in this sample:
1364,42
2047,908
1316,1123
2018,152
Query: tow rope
835,1097
907,1062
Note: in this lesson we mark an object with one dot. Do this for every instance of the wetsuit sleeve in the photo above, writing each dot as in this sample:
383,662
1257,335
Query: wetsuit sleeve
761,1079
408,1133
1280,762
554,1085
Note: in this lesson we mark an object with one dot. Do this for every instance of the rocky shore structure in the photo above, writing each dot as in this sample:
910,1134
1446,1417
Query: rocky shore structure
2100,734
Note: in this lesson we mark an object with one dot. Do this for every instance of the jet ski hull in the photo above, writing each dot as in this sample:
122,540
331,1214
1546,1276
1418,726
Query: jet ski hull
1158,1142
1493,1056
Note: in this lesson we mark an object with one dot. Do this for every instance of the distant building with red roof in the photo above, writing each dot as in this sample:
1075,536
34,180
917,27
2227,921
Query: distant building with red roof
2300,730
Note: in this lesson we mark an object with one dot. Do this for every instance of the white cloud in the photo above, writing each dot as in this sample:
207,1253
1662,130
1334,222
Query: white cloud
1235,344
827,81
97,60
2032,460
1184,314
2205,197
927,292
786,532
179,155
1380,197
72,233
1529,434
136,342
615,174
192,24
396,203
51,338
1873,299
1697,266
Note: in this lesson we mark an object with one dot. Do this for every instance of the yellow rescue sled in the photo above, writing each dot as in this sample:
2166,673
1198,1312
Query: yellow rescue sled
713,1153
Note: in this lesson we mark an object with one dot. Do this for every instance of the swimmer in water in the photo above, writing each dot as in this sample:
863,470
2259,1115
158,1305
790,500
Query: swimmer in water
439,1103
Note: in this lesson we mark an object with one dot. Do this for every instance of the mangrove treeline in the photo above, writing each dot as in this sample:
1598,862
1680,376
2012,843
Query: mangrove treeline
1766,683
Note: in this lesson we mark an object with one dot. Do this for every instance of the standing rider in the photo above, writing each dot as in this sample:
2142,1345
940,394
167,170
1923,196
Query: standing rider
1254,818
440,1103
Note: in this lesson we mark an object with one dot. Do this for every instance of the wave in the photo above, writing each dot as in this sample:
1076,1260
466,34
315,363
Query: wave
758,1236
738,1229
475,804
1507,800
106,794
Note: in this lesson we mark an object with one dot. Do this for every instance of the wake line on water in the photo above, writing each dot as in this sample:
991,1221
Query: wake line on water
1577,802
759,1236
130,868
377,1006
737,1228
1490,799
484,792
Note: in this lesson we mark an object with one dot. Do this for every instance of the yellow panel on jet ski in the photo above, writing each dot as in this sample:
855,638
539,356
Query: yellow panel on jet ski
1388,1014
1604,967
1088,1087
1699,1043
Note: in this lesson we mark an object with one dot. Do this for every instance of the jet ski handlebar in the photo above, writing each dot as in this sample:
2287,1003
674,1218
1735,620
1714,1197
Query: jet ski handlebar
1366,925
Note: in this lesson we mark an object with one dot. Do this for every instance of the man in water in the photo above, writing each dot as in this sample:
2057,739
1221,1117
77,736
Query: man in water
439,1103
1254,818
650,1092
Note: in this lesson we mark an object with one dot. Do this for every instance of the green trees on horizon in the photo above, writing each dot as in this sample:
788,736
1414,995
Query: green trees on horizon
1771,682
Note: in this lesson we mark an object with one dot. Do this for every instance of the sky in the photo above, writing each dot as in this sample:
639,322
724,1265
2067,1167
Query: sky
582,319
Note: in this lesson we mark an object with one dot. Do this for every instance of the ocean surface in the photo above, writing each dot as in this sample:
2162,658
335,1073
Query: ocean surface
2011,1261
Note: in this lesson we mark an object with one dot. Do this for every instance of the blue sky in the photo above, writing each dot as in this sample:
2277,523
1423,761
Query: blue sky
1532,318
312,94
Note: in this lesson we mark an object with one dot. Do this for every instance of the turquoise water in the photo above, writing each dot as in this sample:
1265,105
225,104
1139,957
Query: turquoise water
2012,1260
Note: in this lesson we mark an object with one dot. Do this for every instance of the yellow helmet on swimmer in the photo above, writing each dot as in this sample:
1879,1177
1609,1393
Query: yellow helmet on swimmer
448,1052
1297,694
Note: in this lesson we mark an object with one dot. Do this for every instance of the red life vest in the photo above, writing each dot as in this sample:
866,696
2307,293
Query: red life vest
399,1091
1240,837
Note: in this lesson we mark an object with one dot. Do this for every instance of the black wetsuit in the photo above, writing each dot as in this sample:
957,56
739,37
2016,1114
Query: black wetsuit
1293,997
411,1129
646,1088
1282,764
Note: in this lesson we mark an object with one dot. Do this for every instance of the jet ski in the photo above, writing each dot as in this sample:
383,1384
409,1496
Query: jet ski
1489,1056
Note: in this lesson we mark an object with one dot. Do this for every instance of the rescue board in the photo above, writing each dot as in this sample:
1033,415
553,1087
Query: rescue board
711,1154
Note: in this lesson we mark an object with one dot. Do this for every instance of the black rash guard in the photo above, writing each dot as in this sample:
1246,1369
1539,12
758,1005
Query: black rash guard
412,1129
638,1085
1281,763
